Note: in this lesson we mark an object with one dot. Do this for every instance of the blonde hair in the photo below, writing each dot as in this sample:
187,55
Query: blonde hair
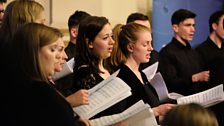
129,34
18,13
113,62
24,11
190,115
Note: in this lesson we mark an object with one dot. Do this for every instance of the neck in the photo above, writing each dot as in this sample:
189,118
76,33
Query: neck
104,72
73,40
51,79
216,39
132,64
181,40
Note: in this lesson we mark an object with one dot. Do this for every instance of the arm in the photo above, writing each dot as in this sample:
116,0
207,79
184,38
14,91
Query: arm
80,97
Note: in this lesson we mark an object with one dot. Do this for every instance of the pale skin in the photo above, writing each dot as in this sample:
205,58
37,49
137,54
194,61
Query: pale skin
73,34
80,97
140,53
1,11
143,22
49,56
184,32
102,47
217,36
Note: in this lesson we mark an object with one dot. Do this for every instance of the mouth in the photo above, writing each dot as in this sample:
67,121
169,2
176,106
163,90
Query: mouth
110,49
148,56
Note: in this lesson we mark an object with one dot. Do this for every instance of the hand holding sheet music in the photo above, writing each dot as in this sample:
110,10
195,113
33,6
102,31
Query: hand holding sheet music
104,95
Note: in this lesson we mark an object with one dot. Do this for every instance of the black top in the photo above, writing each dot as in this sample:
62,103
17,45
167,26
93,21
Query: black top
139,91
35,103
177,65
213,57
70,50
64,85
85,78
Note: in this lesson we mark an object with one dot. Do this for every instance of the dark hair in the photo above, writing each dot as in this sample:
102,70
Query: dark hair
76,18
180,15
89,28
136,16
3,1
214,18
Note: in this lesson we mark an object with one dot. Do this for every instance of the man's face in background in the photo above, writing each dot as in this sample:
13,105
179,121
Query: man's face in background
2,9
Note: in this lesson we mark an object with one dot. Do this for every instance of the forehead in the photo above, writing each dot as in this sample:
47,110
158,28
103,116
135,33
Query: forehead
188,21
105,30
144,35
145,22
60,42
222,18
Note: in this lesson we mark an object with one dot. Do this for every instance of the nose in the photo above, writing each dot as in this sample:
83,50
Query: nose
192,29
112,41
150,48
65,55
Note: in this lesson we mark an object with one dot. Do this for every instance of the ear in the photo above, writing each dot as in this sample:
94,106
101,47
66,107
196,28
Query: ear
214,26
74,32
90,44
130,47
175,27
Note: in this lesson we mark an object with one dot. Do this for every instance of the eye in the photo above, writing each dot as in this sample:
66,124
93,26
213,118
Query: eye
60,49
145,44
105,38
54,48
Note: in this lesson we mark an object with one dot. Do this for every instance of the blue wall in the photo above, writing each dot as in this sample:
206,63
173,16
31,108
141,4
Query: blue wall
161,19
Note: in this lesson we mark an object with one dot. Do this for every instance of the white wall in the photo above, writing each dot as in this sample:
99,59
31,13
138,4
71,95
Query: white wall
115,10
58,11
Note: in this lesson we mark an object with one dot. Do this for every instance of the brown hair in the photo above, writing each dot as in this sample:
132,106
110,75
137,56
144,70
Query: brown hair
27,42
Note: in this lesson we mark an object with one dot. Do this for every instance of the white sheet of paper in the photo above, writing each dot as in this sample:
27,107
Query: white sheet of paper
150,71
113,91
138,114
206,98
160,86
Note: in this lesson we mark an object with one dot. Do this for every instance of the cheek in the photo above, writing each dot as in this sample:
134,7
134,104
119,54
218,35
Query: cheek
99,49
58,67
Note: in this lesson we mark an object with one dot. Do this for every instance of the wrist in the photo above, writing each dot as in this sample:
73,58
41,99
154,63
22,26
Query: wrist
194,78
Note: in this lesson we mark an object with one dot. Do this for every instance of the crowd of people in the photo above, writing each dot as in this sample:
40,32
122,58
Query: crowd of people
33,52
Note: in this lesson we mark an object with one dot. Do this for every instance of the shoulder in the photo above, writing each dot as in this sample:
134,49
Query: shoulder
202,46
84,70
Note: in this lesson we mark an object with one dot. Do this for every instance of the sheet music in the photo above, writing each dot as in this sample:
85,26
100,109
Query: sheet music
113,91
206,98
159,84
150,71
102,83
139,111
